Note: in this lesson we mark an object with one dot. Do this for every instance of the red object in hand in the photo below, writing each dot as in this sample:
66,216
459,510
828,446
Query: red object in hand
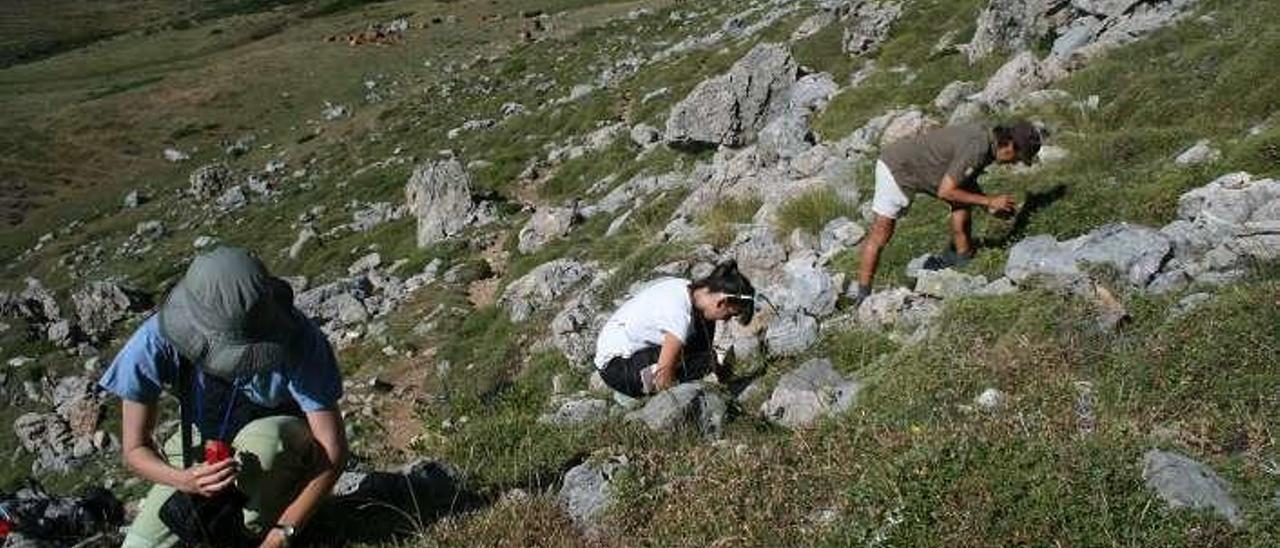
5,528
216,451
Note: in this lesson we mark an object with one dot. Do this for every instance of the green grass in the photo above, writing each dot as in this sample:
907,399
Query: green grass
812,210
718,222
911,464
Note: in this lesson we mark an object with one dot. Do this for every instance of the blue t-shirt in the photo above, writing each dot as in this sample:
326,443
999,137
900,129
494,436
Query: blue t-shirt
149,361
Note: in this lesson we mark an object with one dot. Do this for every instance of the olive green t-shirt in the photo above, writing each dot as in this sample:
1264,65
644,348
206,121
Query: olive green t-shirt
919,163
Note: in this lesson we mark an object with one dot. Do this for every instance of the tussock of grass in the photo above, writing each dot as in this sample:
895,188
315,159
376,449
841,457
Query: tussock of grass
812,211
718,222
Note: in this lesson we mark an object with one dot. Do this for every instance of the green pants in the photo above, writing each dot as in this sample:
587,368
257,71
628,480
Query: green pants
277,457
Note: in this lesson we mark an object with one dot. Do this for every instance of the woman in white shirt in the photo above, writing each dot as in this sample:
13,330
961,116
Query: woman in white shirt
663,335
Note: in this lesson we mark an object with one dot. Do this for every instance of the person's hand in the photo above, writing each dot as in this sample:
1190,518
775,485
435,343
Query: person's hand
1001,205
208,479
664,378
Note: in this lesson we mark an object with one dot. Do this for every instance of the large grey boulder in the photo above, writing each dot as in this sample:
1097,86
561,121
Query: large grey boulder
542,286
790,333
805,287
812,92
784,138
687,405
1134,252
547,224
100,305
809,392
1022,74
1183,482
574,330
587,491
758,251
731,108
868,25
439,196
1230,199
1009,26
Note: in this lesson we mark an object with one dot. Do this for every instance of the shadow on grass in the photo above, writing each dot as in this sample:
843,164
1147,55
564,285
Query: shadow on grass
385,507
1036,201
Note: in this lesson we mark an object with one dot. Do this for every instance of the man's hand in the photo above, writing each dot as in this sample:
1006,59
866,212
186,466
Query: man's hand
208,479
664,378
1002,204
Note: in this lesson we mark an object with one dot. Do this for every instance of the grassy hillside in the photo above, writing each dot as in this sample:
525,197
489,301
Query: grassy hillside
916,463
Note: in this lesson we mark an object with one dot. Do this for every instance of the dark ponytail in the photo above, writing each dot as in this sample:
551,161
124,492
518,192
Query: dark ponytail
726,278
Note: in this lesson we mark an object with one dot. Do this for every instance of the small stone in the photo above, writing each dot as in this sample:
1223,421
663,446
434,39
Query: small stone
1200,153
990,399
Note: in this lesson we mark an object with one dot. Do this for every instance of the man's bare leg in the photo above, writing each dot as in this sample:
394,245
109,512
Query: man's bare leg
881,231
960,230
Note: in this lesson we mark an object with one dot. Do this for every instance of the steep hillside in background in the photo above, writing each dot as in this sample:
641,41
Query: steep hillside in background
461,192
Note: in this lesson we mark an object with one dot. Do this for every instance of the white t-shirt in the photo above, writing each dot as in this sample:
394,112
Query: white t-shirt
663,307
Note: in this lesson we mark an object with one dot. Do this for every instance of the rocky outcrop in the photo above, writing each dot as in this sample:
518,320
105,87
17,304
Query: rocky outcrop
546,225
732,108
867,26
439,196
541,286
100,305
1135,253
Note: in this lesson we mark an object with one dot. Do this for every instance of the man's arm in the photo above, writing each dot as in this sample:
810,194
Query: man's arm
668,361
951,191
140,455
329,433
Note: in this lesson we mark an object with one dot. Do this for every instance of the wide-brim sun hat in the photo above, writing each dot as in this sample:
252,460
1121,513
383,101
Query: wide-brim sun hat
230,316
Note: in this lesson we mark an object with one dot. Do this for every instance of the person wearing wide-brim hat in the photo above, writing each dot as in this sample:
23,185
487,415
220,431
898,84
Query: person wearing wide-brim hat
259,377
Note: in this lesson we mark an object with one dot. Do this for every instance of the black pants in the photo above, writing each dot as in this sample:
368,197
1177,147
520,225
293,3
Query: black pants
623,374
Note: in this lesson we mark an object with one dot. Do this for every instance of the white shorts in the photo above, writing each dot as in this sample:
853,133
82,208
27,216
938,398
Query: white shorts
889,200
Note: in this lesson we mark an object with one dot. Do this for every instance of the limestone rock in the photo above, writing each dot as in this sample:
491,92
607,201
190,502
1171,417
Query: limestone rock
868,25
439,196
541,286
948,284
1183,482
686,405
1009,25
100,305
809,392
577,412
1200,153
730,109
790,334
907,125
587,490
546,225
1020,75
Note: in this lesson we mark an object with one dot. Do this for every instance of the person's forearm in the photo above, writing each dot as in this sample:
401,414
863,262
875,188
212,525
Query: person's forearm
964,197
298,511
145,461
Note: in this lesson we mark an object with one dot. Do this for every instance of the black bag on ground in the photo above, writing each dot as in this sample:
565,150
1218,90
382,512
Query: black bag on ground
207,521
